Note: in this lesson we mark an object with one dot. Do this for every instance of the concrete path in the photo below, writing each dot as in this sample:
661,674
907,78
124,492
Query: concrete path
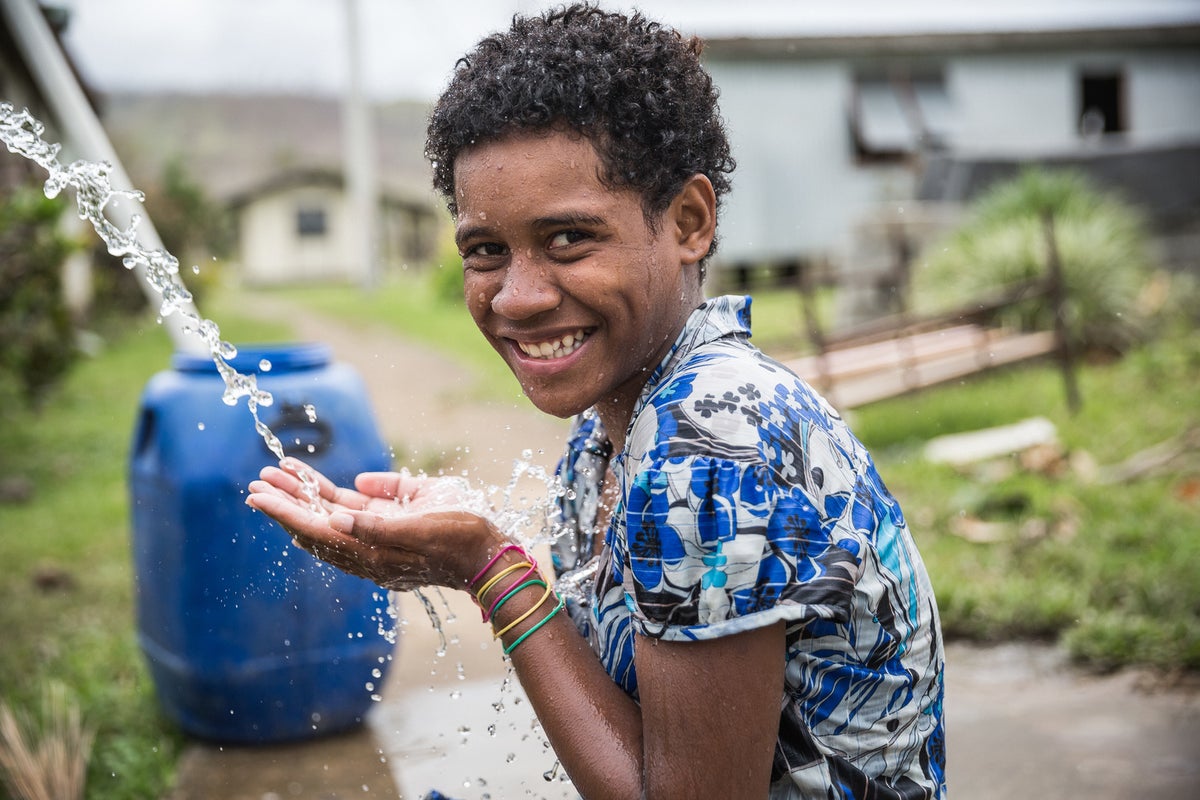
1021,723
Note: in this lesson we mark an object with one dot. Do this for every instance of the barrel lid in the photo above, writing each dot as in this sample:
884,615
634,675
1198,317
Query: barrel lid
249,359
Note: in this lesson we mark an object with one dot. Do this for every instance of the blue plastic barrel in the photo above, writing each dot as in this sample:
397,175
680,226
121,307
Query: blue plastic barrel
248,638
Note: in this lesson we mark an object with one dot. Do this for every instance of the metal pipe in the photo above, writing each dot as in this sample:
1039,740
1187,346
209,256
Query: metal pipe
362,189
74,114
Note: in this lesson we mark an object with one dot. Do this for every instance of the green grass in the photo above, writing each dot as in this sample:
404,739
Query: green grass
80,631
1111,570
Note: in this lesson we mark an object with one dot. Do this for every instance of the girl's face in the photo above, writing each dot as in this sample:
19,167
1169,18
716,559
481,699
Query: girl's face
563,275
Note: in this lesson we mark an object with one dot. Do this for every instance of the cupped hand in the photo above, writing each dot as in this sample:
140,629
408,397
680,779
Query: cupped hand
398,530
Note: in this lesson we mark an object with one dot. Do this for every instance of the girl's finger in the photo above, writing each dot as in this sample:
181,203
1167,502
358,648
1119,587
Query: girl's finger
389,485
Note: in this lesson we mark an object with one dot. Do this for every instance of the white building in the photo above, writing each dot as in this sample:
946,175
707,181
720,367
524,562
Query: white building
836,111
297,226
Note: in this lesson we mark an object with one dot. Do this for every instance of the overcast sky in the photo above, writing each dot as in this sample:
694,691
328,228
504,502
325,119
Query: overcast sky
409,46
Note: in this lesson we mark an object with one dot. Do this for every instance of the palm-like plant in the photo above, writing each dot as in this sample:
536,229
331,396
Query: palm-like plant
1010,237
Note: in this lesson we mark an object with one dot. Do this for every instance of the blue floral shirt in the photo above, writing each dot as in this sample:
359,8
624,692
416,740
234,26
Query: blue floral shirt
744,500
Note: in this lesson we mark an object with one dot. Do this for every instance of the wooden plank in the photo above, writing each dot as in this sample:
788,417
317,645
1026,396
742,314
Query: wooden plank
897,378
891,353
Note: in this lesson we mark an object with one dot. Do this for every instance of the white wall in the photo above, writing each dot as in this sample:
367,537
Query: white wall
796,188
273,252
1020,102
1164,96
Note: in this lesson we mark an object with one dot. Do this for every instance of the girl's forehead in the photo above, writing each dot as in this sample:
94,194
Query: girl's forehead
536,176
541,156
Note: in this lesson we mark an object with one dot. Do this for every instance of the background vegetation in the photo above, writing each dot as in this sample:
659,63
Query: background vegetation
37,341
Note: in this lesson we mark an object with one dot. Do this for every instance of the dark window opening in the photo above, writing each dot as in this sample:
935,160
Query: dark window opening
899,113
311,222
1101,107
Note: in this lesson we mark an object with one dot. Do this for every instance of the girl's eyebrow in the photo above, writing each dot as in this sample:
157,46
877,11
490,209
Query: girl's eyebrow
566,220
466,232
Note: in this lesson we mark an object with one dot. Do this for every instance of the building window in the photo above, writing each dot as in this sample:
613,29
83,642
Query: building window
311,221
1101,103
899,113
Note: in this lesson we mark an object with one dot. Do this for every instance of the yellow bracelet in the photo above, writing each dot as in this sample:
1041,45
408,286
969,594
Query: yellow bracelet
549,591
498,576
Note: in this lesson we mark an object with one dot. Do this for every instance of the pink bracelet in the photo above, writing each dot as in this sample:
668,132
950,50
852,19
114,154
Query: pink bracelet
496,558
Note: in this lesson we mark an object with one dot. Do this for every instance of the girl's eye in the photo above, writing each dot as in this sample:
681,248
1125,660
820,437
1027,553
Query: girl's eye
566,238
486,249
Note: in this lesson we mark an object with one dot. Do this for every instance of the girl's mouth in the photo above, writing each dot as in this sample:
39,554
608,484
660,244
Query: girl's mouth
554,348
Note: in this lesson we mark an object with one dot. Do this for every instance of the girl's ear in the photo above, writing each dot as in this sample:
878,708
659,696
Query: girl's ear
693,214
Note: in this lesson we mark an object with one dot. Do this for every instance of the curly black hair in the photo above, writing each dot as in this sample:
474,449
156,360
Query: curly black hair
634,88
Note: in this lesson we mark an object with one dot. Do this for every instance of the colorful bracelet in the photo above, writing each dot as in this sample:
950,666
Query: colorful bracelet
508,650
500,576
494,559
519,583
524,616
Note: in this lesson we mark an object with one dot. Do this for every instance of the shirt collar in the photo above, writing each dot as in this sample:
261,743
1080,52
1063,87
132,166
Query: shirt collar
713,319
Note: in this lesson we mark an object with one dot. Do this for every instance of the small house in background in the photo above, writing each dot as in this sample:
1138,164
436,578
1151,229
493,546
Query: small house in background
860,135
295,226
275,162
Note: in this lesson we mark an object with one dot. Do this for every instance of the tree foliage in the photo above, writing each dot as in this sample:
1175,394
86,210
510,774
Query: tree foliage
37,342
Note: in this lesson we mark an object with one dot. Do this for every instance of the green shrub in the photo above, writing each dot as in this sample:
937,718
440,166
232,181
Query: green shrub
446,276
1102,244
37,342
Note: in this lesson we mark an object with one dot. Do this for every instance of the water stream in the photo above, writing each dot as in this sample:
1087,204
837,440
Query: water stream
94,193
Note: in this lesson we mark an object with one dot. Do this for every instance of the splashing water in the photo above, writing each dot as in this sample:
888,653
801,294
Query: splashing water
22,134
524,518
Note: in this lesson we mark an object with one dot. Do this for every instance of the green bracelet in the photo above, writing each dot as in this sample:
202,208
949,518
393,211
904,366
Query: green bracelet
540,623
511,592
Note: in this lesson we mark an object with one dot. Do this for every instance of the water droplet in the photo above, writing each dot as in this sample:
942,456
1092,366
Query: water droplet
264,365
199,426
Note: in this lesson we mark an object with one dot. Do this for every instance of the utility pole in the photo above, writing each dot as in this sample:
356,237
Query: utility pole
359,158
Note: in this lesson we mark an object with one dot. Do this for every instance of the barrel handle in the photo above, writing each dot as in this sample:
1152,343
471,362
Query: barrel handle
295,418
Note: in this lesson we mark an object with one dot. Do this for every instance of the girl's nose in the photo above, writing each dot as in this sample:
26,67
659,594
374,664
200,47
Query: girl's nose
528,289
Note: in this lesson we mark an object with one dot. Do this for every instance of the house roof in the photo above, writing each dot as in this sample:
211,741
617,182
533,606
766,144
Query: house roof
769,19
297,177
809,28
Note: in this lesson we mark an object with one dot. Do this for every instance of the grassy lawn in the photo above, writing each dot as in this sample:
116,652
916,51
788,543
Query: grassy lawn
1111,568
66,598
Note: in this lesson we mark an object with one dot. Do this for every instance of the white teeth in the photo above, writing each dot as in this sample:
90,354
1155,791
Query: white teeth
555,348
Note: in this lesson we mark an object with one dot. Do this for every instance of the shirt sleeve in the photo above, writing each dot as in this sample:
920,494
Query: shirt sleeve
716,547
